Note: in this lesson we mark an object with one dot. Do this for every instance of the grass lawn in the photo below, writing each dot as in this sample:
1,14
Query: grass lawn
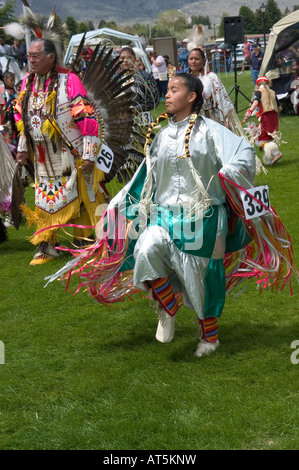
78,375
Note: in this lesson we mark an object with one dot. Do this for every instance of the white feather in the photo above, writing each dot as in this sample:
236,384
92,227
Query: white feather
14,29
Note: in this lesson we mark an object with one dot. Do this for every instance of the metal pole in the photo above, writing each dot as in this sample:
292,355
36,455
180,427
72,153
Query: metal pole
27,37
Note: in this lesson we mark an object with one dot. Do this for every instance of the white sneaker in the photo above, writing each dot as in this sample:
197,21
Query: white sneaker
204,348
165,329
240,73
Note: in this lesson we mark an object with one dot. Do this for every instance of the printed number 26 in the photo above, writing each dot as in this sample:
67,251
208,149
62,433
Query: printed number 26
103,156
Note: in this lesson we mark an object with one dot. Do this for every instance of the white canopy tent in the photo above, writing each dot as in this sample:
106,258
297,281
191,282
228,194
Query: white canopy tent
281,51
107,37
284,34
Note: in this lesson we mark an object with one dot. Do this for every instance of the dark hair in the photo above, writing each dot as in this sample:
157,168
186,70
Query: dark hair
198,49
193,84
127,49
8,73
48,46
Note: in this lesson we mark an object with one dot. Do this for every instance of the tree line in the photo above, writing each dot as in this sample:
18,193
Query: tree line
169,23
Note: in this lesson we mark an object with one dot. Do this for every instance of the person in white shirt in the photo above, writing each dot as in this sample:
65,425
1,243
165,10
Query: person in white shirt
160,74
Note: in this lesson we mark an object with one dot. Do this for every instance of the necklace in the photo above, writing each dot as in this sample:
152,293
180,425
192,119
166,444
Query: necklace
38,101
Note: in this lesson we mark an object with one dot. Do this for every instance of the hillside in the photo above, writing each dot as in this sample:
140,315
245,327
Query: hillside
142,11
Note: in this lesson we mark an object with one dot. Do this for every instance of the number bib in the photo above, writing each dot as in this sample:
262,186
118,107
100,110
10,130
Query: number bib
256,201
105,158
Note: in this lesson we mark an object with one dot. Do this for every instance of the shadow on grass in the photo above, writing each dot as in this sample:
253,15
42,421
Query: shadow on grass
13,245
235,339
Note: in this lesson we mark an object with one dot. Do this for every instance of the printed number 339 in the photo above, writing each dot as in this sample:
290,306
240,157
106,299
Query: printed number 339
256,201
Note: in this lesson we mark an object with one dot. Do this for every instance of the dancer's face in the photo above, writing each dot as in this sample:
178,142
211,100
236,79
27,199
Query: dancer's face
179,100
196,62
127,60
40,62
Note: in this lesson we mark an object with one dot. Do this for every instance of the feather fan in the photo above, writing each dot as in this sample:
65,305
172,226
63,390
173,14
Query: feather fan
112,101
44,29
110,96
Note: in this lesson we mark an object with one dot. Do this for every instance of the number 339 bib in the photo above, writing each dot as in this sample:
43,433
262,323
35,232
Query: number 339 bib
256,201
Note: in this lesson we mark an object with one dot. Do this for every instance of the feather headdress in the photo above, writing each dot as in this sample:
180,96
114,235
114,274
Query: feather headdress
42,28
196,37
106,87
13,29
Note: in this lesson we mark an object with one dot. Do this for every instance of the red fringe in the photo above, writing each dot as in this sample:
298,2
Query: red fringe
269,257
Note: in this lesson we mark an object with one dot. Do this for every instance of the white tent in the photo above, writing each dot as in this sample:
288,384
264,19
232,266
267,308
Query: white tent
284,34
105,36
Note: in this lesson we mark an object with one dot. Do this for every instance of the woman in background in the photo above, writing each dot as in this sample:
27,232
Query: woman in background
160,74
217,104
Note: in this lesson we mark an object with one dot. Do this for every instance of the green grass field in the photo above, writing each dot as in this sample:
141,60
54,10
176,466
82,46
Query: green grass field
78,375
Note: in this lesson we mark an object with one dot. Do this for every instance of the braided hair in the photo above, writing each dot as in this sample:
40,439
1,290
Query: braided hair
48,48
193,84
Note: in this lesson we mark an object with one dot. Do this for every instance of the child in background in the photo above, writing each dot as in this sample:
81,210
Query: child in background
267,109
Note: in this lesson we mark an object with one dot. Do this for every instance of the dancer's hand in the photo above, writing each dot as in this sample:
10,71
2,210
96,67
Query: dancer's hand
247,115
87,167
22,157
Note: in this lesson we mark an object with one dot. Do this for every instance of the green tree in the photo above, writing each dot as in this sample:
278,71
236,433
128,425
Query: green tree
171,22
201,20
221,26
272,15
7,13
90,25
259,22
72,26
107,24
249,20
82,27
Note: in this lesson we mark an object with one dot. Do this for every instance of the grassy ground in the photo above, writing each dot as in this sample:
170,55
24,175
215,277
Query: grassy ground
81,376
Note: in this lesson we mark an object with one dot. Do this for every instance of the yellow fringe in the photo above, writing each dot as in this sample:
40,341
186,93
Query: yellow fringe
47,128
20,126
72,213
51,97
42,220
84,197
98,176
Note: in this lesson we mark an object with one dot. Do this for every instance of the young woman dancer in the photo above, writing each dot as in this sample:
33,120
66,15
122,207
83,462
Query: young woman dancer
167,231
